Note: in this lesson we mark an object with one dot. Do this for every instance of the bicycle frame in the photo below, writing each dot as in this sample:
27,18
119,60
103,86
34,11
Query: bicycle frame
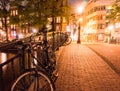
36,69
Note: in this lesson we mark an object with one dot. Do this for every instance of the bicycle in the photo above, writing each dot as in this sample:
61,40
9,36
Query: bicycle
66,38
39,77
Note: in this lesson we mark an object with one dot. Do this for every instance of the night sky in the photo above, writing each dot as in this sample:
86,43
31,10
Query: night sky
76,2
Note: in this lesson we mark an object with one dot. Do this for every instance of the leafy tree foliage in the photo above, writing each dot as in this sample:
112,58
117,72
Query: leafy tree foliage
114,12
36,12
31,12
4,13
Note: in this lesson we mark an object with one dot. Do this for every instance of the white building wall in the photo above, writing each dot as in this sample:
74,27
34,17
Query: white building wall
95,18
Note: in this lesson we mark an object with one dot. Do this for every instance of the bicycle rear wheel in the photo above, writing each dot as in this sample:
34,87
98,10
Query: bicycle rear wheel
33,80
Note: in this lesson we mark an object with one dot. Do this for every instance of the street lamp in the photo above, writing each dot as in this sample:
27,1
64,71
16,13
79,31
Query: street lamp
79,10
78,40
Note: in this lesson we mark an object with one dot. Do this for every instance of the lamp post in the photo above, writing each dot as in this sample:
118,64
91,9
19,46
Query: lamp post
79,40
79,10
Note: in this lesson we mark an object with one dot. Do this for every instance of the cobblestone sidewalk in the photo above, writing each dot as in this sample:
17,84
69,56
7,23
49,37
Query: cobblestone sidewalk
80,69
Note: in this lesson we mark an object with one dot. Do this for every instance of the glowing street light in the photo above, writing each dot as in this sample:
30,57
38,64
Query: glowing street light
79,11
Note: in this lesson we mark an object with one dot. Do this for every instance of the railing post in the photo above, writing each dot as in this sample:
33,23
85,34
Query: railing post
44,31
1,80
29,61
13,70
53,41
57,40
60,39
21,59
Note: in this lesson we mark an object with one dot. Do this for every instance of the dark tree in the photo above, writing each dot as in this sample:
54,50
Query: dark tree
4,15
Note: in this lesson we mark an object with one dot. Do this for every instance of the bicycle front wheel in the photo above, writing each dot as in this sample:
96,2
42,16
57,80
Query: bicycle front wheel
33,80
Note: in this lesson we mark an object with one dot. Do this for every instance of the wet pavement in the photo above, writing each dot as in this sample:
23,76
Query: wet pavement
81,69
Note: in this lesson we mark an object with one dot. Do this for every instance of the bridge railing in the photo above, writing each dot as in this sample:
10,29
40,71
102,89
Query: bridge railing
13,67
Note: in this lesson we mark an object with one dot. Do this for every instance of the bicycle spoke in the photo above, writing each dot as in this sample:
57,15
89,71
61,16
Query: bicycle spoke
41,84
36,82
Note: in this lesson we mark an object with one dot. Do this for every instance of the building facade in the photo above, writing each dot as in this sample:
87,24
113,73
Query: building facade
18,25
95,20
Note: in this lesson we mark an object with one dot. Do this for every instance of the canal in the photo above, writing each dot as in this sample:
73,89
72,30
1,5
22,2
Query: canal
5,56
7,70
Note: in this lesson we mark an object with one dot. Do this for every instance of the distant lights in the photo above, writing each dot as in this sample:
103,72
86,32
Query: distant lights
68,28
109,7
117,25
80,9
110,27
34,30
20,35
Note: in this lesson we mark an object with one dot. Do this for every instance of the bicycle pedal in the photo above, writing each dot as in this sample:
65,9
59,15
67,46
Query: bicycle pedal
54,75
55,72
54,78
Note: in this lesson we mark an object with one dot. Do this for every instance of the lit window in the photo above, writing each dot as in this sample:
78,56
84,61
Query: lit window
58,20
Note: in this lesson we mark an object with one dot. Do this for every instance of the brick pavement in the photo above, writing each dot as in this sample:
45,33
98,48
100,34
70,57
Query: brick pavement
109,52
80,69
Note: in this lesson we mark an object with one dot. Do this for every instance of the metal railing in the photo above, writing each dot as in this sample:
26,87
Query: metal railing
13,67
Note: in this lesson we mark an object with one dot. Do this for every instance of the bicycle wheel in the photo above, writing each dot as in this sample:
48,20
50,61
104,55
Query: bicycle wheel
33,80
68,41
